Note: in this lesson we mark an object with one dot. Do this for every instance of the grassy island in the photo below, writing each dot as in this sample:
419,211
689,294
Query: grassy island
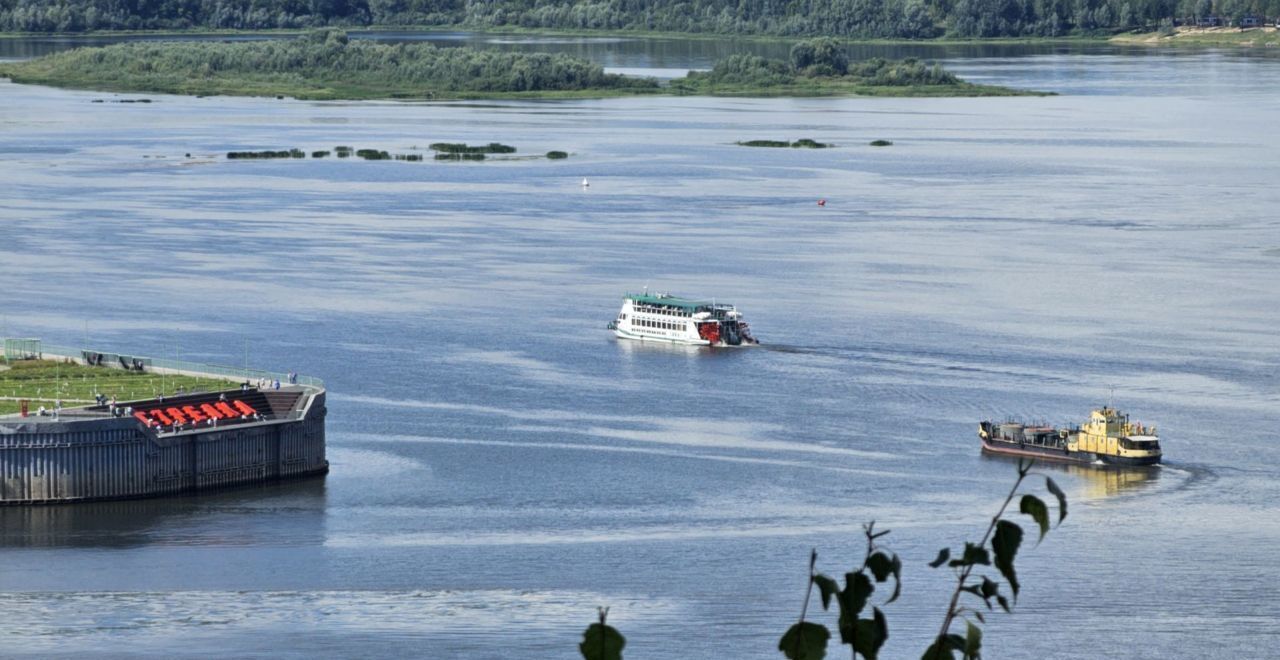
325,64
322,64
820,67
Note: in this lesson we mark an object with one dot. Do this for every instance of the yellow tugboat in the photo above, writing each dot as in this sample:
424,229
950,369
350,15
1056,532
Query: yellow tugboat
1108,437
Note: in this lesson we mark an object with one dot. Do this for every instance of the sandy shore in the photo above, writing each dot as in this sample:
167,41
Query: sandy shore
1216,36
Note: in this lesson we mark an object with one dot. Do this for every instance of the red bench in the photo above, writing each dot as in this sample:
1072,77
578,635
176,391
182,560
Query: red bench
227,410
142,417
244,407
176,415
195,415
211,411
161,417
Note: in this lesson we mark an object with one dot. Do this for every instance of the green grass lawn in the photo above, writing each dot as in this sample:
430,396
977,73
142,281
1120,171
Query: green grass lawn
44,381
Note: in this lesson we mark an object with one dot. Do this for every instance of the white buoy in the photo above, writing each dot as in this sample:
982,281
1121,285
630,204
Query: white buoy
585,183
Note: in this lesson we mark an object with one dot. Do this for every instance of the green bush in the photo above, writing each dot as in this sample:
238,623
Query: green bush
819,57
804,143
460,148
233,155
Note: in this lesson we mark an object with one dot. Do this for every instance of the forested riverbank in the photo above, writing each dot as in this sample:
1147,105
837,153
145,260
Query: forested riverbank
861,19
325,64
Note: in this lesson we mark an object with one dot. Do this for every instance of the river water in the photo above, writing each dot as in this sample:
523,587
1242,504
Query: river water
501,465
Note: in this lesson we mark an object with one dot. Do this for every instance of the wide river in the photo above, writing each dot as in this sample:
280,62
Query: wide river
501,465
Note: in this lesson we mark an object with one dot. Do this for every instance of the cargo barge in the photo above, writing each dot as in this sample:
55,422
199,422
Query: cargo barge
163,446
1107,438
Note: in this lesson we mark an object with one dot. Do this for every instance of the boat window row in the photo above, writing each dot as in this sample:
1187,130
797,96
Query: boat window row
1145,445
660,325
665,311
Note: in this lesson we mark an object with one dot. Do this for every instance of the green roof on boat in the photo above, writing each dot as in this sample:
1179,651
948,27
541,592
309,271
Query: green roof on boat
670,301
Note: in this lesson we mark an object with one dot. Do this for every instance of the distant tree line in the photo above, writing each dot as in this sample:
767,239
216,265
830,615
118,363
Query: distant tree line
912,19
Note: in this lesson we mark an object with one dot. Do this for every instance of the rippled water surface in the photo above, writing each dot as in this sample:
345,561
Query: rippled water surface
502,466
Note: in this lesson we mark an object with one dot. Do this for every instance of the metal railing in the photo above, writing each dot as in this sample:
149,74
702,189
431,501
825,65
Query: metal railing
124,361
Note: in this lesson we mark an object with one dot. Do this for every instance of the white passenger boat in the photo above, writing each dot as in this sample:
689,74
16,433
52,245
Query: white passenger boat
665,318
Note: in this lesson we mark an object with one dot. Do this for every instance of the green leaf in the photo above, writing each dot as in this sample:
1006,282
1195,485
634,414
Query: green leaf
1062,497
848,626
897,579
937,651
857,590
973,554
1035,507
882,628
864,639
943,646
981,618
805,641
827,587
860,588
972,641
881,566
1004,602
943,555
871,635
1005,543
602,642
989,587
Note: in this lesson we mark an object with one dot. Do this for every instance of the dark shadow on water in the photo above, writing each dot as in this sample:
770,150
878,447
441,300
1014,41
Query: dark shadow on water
131,523
1099,481
631,347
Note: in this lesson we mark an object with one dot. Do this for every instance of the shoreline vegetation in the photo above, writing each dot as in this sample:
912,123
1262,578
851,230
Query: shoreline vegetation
325,64
321,65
